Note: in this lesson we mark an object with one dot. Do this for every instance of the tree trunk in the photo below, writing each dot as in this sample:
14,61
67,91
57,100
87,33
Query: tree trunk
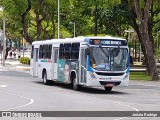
38,21
150,56
38,30
23,21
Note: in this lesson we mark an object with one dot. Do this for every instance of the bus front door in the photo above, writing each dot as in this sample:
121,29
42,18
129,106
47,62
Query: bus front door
83,65
54,63
35,62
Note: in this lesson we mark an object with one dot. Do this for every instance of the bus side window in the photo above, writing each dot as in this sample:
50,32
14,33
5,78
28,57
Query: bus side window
77,45
72,51
61,51
41,52
67,51
75,51
49,51
45,50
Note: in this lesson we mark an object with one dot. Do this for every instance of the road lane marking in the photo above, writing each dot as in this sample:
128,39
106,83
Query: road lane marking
3,86
31,101
125,105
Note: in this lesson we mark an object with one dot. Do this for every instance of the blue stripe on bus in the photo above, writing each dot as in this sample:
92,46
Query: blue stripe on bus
128,69
88,65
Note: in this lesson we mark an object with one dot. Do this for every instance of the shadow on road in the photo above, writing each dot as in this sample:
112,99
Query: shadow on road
90,90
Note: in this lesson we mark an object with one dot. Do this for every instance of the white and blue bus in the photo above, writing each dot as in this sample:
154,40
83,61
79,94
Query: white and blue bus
82,61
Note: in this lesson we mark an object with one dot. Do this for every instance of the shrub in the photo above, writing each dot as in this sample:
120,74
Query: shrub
24,60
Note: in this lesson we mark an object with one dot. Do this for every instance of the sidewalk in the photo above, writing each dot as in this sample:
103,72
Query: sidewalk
145,83
14,65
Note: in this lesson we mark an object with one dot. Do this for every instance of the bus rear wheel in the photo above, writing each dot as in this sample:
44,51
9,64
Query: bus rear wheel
45,81
75,85
108,89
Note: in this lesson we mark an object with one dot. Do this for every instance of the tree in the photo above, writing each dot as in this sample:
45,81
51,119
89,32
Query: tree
18,11
142,16
143,29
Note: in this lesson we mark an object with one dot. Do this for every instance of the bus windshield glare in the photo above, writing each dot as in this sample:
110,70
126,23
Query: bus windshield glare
108,58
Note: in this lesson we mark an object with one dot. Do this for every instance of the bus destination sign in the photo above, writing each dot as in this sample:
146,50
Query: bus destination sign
108,42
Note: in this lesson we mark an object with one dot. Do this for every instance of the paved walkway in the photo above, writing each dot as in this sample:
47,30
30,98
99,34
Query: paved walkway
15,65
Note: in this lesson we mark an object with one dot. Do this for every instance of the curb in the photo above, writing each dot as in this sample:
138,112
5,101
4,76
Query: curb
23,68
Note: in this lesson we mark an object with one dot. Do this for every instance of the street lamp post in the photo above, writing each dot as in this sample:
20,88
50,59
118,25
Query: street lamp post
129,33
74,28
58,18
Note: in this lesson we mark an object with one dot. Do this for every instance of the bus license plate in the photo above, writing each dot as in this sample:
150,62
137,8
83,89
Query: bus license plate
109,85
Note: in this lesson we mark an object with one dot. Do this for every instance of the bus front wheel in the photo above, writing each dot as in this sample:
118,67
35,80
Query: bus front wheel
108,89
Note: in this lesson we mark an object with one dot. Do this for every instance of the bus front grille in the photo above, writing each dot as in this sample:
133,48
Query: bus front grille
109,74
106,82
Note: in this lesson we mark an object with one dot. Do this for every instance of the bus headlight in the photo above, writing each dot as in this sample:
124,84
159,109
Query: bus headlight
92,75
126,77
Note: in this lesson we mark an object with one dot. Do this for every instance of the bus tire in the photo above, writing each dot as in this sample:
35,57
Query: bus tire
75,85
108,89
45,81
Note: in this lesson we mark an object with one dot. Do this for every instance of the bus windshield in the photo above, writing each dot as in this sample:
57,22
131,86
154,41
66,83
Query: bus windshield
108,58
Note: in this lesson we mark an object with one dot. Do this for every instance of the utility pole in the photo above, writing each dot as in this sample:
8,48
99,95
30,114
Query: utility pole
4,42
58,18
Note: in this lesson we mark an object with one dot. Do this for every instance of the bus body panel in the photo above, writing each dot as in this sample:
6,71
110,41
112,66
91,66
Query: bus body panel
65,68
99,80
44,64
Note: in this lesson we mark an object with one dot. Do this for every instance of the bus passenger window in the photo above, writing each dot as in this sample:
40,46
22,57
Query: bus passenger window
49,51
72,51
41,52
45,50
61,51
75,51
67,51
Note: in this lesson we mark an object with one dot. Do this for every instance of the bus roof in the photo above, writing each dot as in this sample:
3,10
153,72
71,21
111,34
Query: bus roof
74,40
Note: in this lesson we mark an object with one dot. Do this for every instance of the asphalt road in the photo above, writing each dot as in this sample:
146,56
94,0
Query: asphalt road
20,92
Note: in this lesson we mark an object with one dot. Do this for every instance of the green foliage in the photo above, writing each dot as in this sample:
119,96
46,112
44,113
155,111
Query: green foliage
25,60
113,17
139,76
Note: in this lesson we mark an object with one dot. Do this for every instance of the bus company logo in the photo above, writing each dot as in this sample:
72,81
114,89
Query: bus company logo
6,114
97,41
21,114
